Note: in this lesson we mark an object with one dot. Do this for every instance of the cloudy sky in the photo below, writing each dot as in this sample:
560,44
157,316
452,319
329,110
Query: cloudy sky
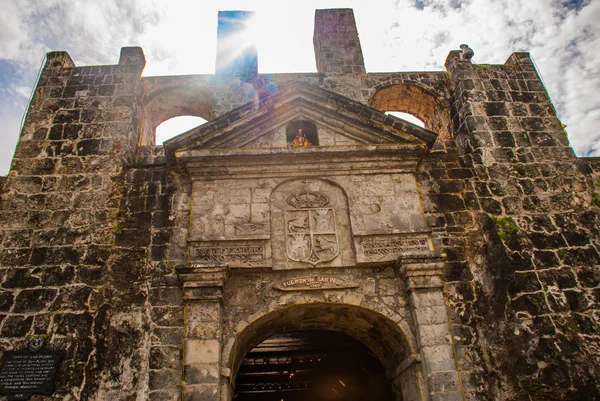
178,37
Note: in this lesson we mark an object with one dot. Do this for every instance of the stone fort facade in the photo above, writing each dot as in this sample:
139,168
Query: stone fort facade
459,261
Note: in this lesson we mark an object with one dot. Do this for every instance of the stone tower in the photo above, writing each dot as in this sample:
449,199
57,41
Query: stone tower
379,260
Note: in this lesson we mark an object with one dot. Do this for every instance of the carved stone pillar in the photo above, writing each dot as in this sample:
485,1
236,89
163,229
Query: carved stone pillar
203,297
426,296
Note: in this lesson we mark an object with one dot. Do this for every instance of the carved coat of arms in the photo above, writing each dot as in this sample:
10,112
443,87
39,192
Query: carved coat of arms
310,229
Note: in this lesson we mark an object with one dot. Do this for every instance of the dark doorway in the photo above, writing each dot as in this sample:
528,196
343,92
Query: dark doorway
311,366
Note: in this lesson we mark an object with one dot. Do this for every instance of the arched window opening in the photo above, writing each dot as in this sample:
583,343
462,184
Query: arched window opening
407,117
311,365
418,102
164,103
299,131
175,126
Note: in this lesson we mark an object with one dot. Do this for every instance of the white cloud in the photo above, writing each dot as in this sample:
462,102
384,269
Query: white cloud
10,32
10,121
24,91
401,35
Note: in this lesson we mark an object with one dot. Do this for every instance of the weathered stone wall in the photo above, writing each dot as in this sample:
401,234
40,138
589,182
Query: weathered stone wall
523,291
61,275
150,234
92,226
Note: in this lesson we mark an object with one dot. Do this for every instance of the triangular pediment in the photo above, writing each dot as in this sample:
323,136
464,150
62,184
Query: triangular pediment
339,121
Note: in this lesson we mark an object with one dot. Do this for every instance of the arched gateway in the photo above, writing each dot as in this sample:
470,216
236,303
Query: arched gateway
325,351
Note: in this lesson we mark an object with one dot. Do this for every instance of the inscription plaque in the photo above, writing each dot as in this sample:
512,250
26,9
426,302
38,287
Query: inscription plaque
395,246
234,253
314,283
23,373
390,247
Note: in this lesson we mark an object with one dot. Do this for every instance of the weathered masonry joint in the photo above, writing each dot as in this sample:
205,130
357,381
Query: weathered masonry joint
302,244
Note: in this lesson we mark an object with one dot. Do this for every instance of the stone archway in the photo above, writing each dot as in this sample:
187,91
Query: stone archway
417,355
418,101
165,103
384,338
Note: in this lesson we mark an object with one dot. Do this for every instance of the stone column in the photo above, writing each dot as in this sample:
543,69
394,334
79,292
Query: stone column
203,297
336,42
426,297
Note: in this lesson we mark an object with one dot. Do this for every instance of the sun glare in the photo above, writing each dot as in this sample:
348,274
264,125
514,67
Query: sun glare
237,34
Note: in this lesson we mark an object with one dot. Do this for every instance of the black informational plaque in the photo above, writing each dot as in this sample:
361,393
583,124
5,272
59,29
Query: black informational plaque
24,373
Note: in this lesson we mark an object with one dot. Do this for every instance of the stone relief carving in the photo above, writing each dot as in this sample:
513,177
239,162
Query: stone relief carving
323,220
250,228
311,225
307,199
310,235
297,223
306,223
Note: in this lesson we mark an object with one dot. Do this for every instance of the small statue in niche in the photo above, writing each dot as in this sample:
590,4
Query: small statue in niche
301,133
300,140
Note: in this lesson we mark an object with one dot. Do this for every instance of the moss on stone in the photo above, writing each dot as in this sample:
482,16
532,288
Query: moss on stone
118,228
520,169
506,226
